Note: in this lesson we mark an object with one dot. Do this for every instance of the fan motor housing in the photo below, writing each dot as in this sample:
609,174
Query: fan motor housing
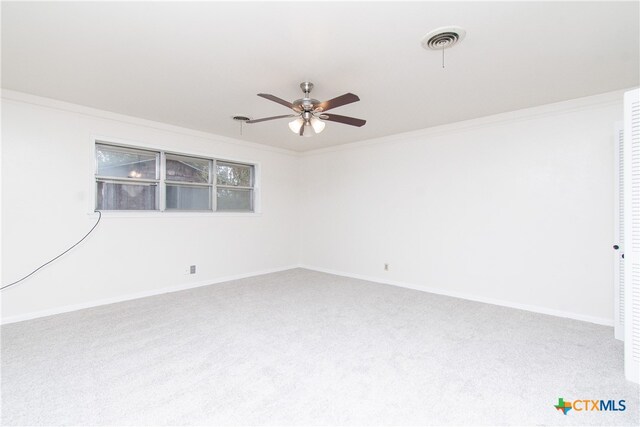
305,104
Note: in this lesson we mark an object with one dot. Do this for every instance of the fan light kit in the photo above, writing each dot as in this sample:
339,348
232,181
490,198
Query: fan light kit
443,38
310,114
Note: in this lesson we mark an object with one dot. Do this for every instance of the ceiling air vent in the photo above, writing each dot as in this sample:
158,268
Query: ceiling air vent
443,38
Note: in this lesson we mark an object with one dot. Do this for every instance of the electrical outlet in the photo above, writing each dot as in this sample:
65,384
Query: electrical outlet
386,267
192,269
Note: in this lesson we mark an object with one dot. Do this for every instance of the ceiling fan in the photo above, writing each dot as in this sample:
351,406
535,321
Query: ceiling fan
310,112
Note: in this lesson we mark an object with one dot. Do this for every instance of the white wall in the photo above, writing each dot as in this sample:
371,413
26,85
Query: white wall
515,208
47,189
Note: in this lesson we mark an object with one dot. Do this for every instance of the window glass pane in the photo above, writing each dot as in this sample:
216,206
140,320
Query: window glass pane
187,169
234,174
124,163
188,198
115,196
231,199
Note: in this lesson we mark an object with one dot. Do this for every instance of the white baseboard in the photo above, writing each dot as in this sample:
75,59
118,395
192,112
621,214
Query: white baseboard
95,303
526,307
128,297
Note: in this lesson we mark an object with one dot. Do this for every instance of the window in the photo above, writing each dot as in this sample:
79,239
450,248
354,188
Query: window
234,187
139,179
126,179
188,183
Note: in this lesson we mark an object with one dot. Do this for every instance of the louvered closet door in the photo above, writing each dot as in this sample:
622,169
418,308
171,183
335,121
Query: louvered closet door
632,234
618,247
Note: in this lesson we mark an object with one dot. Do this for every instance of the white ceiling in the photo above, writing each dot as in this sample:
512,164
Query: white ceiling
197,64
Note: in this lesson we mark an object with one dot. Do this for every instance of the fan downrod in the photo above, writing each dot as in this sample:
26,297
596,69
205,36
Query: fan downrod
306,88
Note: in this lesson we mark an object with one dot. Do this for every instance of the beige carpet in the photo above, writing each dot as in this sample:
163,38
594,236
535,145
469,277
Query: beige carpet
301,347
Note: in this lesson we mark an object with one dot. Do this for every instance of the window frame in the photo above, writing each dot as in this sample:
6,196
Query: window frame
161,182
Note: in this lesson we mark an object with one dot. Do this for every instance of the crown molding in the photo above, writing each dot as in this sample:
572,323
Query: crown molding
525,114
26,98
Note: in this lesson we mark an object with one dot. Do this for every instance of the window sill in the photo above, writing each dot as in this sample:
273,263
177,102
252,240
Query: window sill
170,214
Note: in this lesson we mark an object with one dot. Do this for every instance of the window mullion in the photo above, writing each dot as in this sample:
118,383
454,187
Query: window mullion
214,188
162,186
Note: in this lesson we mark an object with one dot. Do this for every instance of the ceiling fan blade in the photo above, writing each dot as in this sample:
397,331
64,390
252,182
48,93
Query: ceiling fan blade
339,101
302,129
276,99
270,118
343,119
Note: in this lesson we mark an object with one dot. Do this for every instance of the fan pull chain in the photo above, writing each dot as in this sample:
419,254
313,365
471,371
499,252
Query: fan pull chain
442,56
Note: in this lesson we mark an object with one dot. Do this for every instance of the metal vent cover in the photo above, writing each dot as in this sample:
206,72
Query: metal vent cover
443,38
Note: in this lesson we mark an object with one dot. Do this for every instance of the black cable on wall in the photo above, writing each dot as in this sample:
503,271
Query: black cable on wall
53,259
